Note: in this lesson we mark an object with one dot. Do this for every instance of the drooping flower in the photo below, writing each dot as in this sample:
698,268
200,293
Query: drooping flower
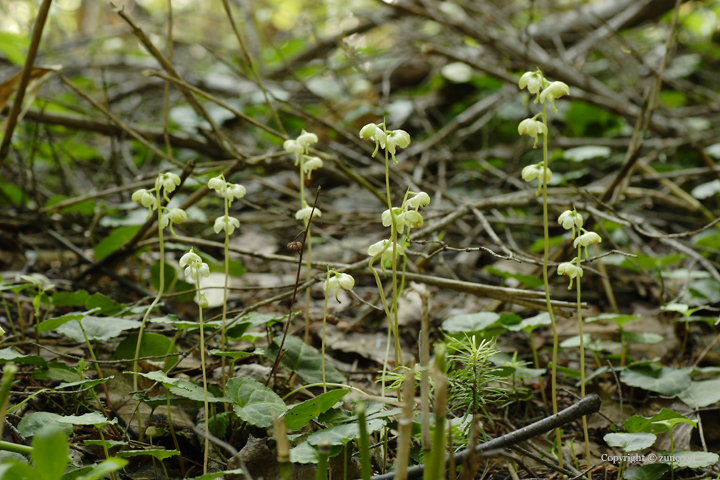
195,267
226,223
338,281
532,80
169,181
374,132
175,215
217,184
572,271
587,238
304,214
144,198
292,146
413,219
553,91
312,164
418,200
399,138
235,191
538,170
399,214
532,128
384,249
306,139
570,219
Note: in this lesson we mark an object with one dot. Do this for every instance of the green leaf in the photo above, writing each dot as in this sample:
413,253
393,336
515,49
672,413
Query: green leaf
70,299
614,317
306,453
630,442
675,307
94,419
704,393
539,244
665,381
160,376
196,393
116,239
53,323
645,338
671,422
107,443
653,471
301,414
693,459
531,323
304,360
636,423
153,344
107,305
470,322
219,423
574,342
104,468
184,324
88,382
50,452
159,453
32,423
587,152
236,355
252,320
57,371
170,276
12,46
9,354
341,434
12,469
254,402
97,328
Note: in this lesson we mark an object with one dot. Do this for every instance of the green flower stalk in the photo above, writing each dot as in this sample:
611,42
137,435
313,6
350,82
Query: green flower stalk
195,268
336,282
300,147
229,192
150,199
544,90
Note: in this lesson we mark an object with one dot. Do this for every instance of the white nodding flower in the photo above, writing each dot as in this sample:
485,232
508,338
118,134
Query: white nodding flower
532,128
304,214
418,200
399,218
531,172
144,198
553,91
217,184
587,238
374,132
570,219
572,271
177,215
138,194
312,164
399,138
532,80
292,146
203,301
226,223
384,248
190,258
306,139
338,281
413,219
235,191
169,181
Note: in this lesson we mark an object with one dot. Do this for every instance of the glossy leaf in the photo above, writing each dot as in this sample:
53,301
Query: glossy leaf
254,402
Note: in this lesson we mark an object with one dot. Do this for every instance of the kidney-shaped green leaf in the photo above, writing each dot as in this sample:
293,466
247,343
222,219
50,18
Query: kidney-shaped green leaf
630,442
665,381
98,328
653,471
34,422
254,402
470,322
301,414
304,360
693,459
636,423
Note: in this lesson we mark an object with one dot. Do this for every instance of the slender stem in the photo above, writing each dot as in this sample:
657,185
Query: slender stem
9,317
204,375
546,231
21,449
536,361
107,454
223,341
100,375
393,239
160,290
322,355
387,312
582,366
21,322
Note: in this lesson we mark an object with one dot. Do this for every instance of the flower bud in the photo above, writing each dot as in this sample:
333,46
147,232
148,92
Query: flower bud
177,215
420,199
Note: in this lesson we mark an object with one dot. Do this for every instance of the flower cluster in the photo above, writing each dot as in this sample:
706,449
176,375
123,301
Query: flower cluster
194,269
570,219
230,192
300,147
388,140
338,281
532,127
166,182
407,215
